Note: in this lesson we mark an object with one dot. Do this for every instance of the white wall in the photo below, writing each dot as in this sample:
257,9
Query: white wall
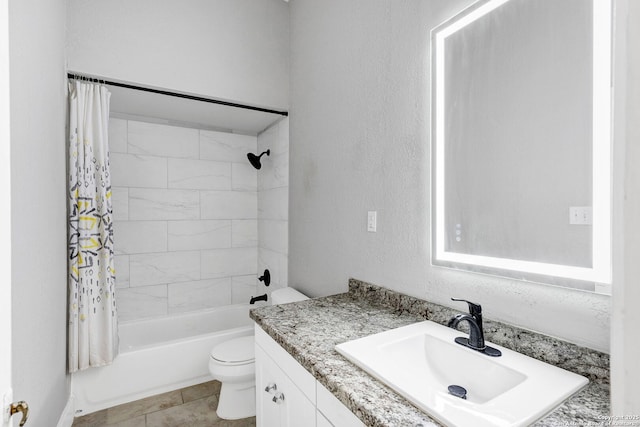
5,195
625,348
273,205
39,258
185,207
229,49
360,141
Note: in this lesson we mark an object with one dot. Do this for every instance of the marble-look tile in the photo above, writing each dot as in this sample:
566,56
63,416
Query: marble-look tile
142,302
228,262
243,288
274,204
129,170
277,264
120,203
228,205
117,135
134,237
244,233
204,234
199,391
275,172
275,138
122,270
197,413
198,295
226,147
283,137
268,139
144,406
244,177
274,235
161,204
166,267
163,140
200,174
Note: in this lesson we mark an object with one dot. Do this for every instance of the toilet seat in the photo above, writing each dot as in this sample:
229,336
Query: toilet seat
237,351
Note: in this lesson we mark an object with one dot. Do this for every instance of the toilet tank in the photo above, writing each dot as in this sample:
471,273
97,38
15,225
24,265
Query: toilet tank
285,295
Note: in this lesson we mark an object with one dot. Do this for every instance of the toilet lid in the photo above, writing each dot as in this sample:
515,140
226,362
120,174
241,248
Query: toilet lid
237,350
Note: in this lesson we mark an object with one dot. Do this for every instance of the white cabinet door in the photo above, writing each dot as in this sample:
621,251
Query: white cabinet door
321,421
301,393
267,413
279,402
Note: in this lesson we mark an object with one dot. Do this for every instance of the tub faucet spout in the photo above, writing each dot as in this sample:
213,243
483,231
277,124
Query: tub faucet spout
259,298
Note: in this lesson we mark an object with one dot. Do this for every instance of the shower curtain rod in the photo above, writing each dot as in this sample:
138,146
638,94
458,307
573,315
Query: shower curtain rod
176,94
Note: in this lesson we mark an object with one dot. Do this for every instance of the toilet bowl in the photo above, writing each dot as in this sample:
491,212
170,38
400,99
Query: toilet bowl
232,362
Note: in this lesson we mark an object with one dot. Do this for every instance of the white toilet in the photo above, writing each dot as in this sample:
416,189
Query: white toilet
232,363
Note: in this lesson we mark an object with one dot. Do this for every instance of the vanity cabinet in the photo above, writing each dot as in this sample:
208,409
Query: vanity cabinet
289,396
279,402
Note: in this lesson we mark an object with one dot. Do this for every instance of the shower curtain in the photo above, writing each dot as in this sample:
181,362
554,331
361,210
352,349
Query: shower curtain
93,320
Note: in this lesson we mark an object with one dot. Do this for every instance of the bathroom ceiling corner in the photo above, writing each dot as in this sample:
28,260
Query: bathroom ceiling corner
140,104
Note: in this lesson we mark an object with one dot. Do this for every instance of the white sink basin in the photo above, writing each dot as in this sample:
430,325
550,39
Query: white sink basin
421,361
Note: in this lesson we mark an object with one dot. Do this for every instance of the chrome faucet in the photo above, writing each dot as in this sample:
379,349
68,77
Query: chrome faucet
476,333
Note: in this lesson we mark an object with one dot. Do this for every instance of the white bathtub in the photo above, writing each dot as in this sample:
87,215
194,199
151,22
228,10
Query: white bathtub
159,355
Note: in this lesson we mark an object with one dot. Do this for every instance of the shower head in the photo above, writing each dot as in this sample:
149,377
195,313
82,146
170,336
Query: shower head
255,160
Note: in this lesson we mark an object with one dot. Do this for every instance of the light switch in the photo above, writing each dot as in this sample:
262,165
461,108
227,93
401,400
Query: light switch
372,220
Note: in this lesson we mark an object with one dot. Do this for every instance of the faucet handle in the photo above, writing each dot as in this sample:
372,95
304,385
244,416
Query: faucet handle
474,309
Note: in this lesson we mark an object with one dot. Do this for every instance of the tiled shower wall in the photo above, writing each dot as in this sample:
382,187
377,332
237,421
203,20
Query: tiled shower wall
273,205
185,205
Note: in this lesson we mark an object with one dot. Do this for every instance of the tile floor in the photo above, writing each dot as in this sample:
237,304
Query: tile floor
192,406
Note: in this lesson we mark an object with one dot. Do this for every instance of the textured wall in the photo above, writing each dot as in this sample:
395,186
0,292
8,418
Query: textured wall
185,210
360,141
39,224
231,49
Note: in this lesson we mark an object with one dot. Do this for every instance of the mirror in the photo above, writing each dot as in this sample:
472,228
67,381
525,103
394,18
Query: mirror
521,138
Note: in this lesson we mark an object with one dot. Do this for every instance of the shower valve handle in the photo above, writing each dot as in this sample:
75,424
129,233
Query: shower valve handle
266,278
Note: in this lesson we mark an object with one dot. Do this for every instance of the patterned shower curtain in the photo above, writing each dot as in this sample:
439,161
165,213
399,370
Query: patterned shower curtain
93,320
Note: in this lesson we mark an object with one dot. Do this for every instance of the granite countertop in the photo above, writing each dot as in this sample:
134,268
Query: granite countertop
309,331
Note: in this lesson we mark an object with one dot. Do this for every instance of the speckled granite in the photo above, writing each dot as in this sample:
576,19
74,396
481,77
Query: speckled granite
309,331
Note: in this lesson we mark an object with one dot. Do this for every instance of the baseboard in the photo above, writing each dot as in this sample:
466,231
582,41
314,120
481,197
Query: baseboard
66,418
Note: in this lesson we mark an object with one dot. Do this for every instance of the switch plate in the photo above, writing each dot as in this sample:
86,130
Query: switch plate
372,221
580,215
